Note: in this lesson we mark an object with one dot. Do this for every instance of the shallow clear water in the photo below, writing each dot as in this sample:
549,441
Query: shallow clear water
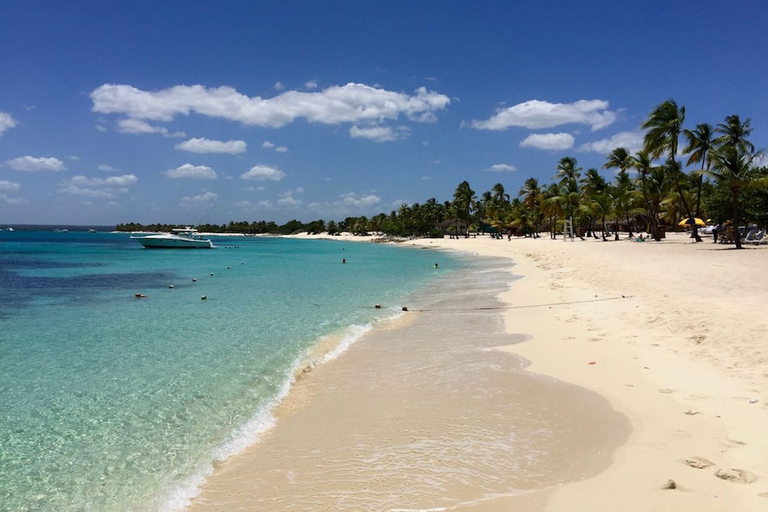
116,403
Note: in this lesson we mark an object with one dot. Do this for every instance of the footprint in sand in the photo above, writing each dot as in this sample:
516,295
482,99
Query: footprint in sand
697,462
763,495
739,476
730,443
698,338
667,391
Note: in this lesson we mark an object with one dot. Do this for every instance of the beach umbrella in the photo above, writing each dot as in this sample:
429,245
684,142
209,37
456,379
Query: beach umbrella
689,222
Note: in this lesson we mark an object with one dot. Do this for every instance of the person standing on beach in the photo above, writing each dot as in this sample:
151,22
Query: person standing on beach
714,232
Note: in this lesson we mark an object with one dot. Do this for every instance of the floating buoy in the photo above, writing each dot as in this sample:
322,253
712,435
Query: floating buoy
405,308
377,306
170,286
204,297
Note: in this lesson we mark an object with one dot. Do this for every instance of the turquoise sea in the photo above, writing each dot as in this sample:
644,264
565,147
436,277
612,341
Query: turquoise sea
113,403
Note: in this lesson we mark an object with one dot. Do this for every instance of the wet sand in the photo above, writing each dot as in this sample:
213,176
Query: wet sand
427,412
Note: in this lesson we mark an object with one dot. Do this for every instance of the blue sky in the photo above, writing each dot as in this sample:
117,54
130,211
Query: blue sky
188,112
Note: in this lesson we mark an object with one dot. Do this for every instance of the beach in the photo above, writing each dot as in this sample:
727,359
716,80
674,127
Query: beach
652,353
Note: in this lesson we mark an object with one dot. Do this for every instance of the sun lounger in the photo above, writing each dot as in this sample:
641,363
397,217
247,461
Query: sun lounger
756,238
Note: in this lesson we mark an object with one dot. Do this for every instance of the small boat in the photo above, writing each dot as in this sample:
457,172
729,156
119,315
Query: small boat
182,238
9,228
91,230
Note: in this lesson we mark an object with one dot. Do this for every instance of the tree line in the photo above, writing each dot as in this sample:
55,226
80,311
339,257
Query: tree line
723,183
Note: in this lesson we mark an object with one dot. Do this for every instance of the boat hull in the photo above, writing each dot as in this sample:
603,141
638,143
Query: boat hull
167,243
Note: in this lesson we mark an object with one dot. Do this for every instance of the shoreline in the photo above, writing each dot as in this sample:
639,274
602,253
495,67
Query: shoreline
423,415
686,382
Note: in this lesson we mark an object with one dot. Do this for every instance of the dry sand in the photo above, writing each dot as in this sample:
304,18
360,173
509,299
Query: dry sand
676,334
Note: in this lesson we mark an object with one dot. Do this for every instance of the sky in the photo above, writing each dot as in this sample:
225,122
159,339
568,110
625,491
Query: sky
210,112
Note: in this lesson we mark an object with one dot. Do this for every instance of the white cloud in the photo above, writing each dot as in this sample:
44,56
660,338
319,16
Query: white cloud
199,201
101,188
350,103
74,157
536,114
379,133
113,181
550,141
12,200
138,127
197,172
199,145
288,200
33,164
9,186
100,128
263,173
632,141
278,86
107,168
312,84
352,199
502,168
299,190
242,204
347,204
6,122
260,188
265,205
270,145
87,192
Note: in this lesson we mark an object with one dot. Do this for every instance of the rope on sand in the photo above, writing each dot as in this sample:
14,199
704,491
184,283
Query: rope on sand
527,306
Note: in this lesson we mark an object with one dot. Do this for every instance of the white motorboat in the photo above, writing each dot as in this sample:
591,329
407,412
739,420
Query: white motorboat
186,238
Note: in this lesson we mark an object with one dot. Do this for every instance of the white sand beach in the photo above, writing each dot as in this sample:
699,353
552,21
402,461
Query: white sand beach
671,334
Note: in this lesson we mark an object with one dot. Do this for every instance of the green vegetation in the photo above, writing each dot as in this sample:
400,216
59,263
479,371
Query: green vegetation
723,183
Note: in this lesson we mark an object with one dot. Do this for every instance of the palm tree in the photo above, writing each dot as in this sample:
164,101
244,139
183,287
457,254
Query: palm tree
642,162
499,194
732,162
600,206
664,125
552,207
591,184
625,201
532,198
700,143
464,199
619,159
734,132
567,170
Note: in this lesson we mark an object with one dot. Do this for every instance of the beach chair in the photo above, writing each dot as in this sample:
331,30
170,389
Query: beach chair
753,234
756,238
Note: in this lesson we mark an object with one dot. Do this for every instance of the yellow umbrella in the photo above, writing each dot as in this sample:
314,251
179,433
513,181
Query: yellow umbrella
688,222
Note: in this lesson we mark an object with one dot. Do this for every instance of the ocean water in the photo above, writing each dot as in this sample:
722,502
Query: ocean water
112,403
